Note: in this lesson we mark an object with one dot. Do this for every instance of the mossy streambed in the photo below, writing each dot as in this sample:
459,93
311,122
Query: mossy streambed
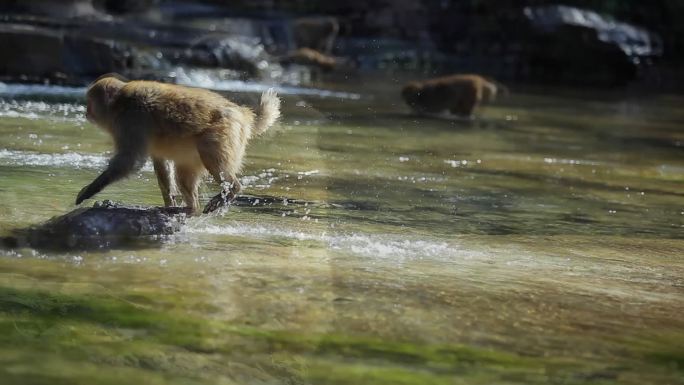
541,244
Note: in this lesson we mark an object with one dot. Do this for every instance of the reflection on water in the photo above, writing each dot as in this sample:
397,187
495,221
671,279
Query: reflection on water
541,243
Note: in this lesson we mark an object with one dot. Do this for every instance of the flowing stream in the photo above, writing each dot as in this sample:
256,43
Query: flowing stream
542,243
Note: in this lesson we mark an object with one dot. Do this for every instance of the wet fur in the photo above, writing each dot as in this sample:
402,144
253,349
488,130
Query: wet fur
458,94
195,129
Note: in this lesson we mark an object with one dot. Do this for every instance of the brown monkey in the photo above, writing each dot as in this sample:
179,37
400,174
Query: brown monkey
458,94
309,57
196,129
316,32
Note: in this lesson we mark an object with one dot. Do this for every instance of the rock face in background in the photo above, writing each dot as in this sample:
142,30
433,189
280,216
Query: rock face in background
64,8
548,44
46,45
525,41
39,53
581,46
245,55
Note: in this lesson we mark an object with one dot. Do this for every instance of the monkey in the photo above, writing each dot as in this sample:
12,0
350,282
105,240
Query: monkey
195,129
459,94
317,33
309,57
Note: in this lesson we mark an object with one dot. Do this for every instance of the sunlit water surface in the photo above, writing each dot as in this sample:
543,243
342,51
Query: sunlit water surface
541,243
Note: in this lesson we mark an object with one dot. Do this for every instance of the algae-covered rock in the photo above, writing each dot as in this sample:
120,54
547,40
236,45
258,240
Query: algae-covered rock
105,225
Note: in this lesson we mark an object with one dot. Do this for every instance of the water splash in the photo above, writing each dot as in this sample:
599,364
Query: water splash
366,245
29,109
202,78
212,80
70,159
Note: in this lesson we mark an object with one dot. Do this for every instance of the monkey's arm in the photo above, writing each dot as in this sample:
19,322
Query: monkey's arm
130,156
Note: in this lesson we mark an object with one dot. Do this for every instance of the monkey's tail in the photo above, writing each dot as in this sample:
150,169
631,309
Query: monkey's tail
268,111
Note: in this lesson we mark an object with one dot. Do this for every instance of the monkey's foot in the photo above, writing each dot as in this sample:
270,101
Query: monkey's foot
220,200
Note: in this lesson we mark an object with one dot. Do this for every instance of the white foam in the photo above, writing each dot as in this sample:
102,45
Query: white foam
208,79
367,245
579,162
15,89
41,110
69,159
192,77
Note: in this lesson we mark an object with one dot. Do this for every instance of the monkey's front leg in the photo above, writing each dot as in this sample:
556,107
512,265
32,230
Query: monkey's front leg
130,143
166,181
225,197
122,164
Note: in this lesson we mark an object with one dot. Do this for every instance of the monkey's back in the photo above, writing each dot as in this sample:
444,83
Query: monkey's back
178,111
462,91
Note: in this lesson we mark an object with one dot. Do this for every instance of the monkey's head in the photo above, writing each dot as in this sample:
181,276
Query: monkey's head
411,93
99,97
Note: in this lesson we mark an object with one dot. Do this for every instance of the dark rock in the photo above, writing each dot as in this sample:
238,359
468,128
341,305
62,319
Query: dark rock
85,48
61,8
45,53
125,6
240,53
632,40
583,47
105,225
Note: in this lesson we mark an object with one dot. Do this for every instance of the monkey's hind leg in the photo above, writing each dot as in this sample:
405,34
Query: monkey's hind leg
166,180
230,188
465,107
219,165
188,181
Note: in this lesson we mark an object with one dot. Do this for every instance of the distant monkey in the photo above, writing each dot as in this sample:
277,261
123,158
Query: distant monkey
458,94
309,57
316,32
196,129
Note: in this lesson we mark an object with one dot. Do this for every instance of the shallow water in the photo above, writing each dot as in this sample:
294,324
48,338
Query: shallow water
541,243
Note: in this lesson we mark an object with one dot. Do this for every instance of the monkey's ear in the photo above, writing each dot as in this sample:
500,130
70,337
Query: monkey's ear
111,75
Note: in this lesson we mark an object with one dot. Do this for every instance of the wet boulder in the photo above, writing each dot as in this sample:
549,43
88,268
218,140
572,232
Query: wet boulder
243,54
583,47
46,53
78,50
105,225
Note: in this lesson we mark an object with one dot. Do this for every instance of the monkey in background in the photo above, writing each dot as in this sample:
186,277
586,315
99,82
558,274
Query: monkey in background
196,129
309,57
458,94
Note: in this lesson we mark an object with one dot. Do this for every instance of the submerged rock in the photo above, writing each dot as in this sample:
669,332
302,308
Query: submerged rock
105,225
